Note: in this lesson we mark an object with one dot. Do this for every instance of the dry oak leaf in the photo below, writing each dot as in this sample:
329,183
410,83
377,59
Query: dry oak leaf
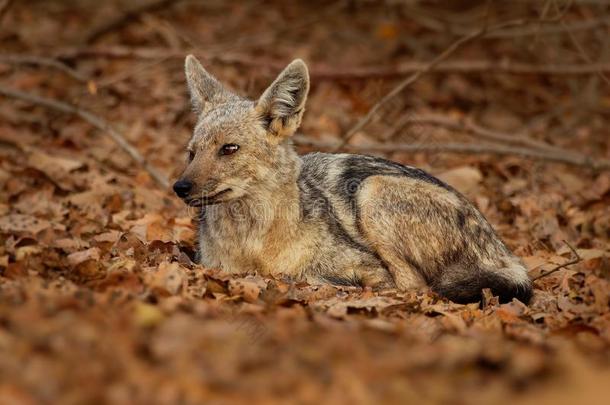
464,178
56,168
248,288
338,307
26,223
511,312
82,256
152,227
70,244
170,278
534,262
600,289
183,229
570,183
450,320
24,251
122,264
111,236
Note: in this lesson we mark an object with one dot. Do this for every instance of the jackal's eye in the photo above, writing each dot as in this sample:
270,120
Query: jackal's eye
191,155
228,149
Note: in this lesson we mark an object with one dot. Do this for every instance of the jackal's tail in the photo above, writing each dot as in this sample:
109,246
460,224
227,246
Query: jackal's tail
463,286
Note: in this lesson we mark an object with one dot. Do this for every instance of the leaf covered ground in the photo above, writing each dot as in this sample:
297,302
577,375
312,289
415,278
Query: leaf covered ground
100,301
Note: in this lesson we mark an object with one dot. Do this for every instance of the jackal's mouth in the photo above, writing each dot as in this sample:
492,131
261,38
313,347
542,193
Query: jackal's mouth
206,200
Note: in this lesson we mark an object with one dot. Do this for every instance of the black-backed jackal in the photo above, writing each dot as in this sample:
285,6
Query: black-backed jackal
337,218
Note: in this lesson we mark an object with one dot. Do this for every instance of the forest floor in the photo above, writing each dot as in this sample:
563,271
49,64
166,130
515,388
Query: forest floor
100,301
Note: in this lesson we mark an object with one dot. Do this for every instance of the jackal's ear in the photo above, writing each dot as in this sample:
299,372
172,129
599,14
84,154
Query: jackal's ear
281,106
204,89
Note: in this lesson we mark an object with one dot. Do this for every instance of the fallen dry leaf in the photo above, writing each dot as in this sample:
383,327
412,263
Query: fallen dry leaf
465,179
170,278
24,223
82,256
101,298
339,307
57,168
248,289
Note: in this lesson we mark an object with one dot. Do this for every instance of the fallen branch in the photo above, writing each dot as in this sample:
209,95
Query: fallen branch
458,66
465,148
583,53
415,76
576,259
44,61
468,125
156,53
94,120
324,72
550,29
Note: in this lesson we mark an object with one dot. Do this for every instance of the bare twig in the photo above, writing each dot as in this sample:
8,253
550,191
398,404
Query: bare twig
127,73
415,76
321,72
125,17
43,61
93,120
466,148
542,26
575,259
584,55
156,53
458,66
468,125
548,30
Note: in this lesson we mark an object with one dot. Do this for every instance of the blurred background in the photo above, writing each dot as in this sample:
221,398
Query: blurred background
508,101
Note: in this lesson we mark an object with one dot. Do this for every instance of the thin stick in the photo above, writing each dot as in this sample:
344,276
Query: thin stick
93,120
322,72
43,61
466,148
415,76
529,31
585,56
576,259
468,125
458,66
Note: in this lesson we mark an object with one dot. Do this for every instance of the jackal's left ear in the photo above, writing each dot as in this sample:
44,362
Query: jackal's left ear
281,106
204,89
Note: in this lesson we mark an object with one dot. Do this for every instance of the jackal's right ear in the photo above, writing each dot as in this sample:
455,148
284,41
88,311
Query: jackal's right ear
204,89
281,106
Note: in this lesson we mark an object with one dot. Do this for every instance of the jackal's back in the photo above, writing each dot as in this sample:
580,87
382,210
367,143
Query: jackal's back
420,228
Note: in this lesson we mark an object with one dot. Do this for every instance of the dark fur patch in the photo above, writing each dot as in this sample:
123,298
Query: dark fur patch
461,219
469,288
318,205
358,168
337,280
456,273
266,121
458,254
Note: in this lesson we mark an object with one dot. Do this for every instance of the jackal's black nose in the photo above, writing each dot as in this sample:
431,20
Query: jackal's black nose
182,188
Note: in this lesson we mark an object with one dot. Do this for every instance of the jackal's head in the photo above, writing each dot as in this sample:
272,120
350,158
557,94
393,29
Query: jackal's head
238,144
